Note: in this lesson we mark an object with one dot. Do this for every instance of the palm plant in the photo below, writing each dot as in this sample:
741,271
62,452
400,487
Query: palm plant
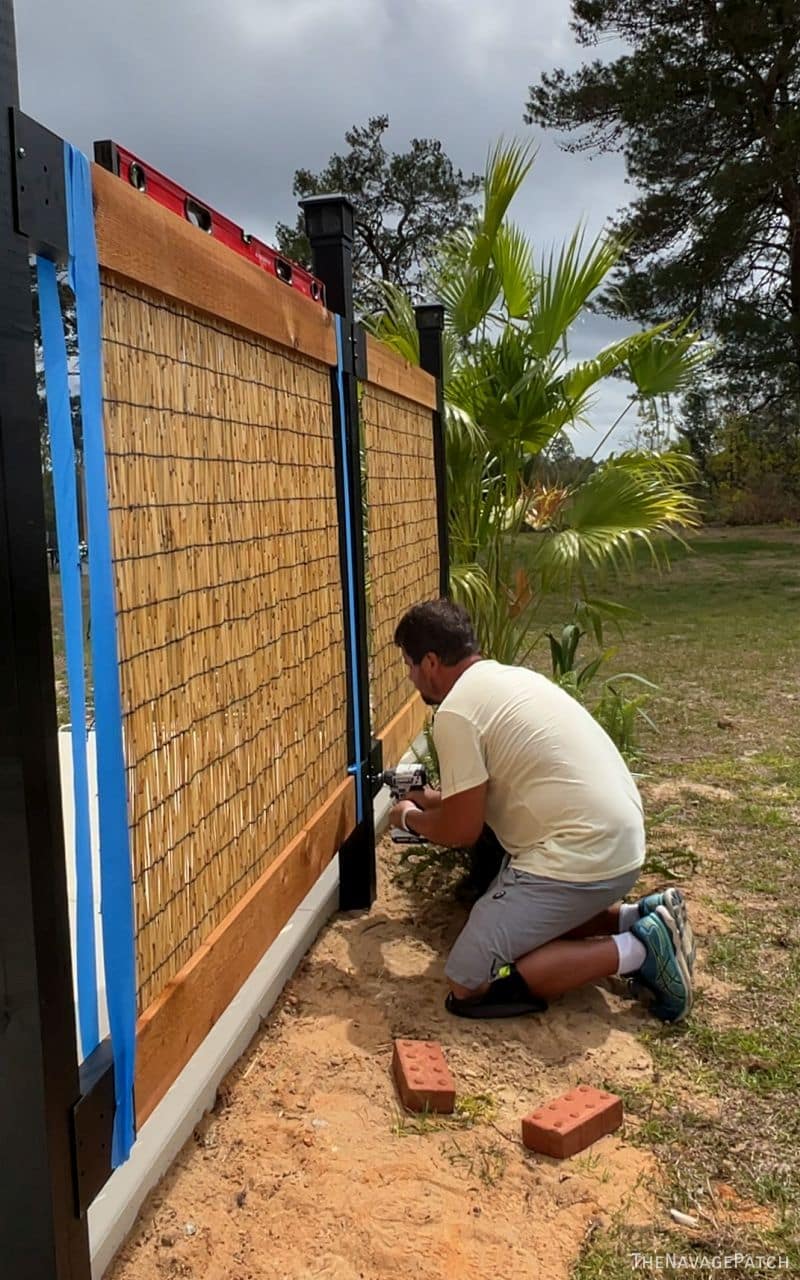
510,389
617,709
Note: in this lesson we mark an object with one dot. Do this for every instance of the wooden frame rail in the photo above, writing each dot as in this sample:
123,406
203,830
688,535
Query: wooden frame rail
402,729
387,369
177,1022
142,241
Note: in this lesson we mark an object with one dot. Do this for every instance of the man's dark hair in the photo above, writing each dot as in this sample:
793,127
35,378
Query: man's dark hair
437,626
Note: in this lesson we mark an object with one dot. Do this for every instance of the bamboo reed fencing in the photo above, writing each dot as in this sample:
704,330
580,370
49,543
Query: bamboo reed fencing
230,628
402,537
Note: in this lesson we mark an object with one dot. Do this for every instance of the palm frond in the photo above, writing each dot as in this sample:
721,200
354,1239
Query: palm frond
507,167
673,467
512,259
581,377
471,587
396,325
618,505
565,286
462,429
469,275
669,363
467,391
468,293
636,493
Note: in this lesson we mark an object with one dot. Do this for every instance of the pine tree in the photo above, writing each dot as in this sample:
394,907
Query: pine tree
405,204
704,104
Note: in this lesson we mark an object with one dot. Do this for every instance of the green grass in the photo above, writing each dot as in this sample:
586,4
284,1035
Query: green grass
710,546
470,1110
718,634
485,1161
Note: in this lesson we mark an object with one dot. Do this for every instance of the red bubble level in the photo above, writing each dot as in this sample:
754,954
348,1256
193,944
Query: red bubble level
164,191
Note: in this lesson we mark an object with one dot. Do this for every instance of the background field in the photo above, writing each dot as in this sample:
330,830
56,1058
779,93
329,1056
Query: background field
721,637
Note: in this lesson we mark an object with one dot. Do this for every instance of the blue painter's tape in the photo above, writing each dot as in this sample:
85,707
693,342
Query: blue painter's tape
115,860
62,455
350,575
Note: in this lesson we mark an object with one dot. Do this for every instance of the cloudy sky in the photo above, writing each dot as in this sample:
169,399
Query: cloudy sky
230,98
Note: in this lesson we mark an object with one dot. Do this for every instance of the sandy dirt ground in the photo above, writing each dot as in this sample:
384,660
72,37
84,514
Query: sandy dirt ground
307,1167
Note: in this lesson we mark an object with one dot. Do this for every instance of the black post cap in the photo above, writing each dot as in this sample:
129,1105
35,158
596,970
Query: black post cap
328,217
429,315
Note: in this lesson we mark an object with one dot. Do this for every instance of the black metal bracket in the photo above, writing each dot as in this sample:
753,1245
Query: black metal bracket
40,188
360,352
92,1126
354,353
106,155
375,767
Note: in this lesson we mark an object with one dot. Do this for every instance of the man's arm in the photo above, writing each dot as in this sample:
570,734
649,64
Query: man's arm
457,821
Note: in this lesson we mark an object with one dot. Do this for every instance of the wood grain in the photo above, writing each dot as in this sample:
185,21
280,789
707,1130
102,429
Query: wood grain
401,731
386,369
174,1026
140,240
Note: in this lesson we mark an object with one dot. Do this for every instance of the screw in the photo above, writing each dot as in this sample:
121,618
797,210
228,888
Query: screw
21,152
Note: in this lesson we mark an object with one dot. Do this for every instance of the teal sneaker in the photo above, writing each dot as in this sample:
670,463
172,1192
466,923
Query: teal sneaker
665,971
675,904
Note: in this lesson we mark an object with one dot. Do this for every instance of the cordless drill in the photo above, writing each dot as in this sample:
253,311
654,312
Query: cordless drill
403,782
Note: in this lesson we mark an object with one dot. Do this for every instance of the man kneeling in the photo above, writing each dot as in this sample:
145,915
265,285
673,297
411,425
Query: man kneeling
518,753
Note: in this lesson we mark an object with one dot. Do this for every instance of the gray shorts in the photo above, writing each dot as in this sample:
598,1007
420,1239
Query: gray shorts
520,912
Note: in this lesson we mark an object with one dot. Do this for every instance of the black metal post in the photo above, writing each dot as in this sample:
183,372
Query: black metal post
430,325
329,226
41,1238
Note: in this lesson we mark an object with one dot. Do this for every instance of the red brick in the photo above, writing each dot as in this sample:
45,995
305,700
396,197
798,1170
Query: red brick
572,1122
423,1077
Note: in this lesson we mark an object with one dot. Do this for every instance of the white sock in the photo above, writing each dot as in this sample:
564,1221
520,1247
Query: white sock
631,952
628,915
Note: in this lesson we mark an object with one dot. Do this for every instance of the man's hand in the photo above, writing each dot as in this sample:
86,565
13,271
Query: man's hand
397,810
457,821
426,799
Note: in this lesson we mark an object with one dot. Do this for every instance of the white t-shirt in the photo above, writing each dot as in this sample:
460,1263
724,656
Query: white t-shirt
560,798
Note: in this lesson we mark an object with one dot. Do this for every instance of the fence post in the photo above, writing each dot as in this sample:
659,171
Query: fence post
430,325
40,1234
329,226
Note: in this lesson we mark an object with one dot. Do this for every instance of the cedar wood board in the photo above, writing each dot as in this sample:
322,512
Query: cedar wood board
177,1022
141,241
148,244
391,372
401,731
